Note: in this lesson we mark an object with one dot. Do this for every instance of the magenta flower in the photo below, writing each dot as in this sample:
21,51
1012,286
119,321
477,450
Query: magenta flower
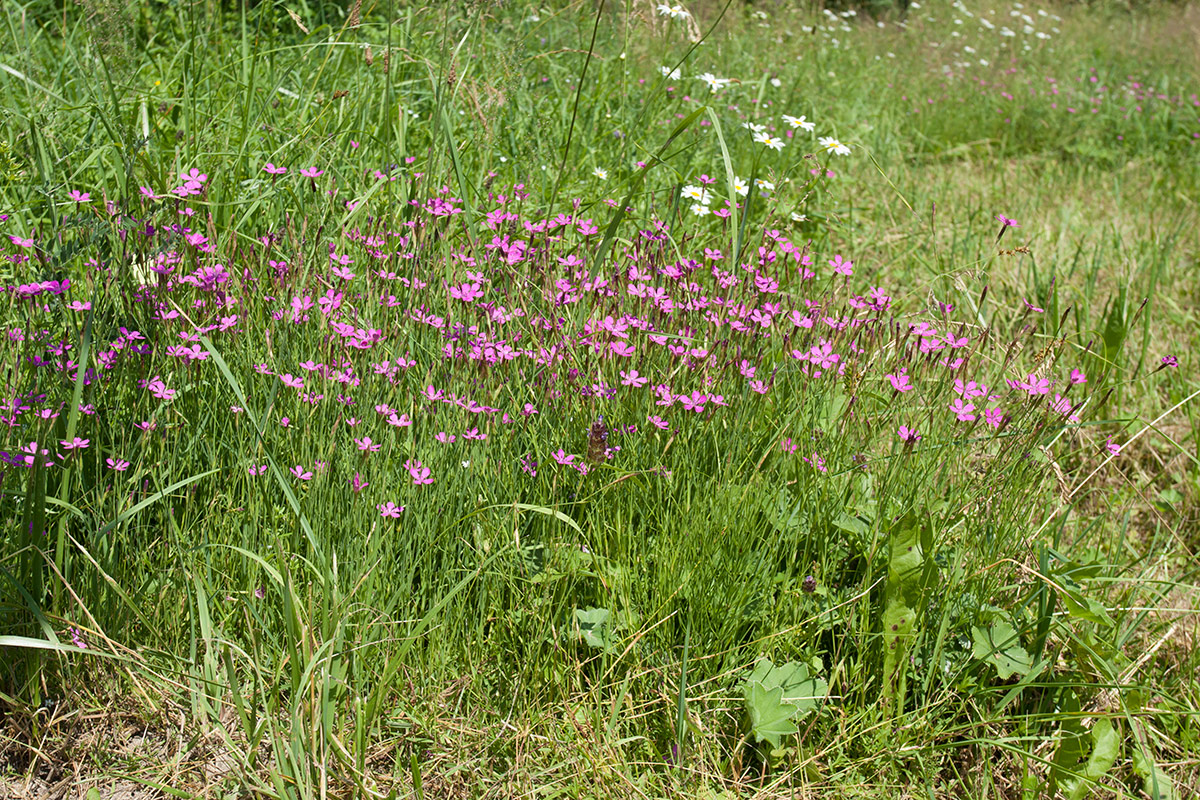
291,381
657,422
120,465
259,470
80,197
842,267
817,462
390,509
445,438
994,417
632,378
908,435
358,484
562,457
1169,362
964,411
75,444
900,381
1078,377
1035,385
366,445
420,473
77,638
301,473
788,446
271,169
399,421
312,172
1006,222
1112,447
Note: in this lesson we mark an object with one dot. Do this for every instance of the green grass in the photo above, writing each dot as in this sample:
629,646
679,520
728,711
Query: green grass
776,595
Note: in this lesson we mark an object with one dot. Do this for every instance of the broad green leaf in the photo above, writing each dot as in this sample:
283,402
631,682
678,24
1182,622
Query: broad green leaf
771,717
1001,647
593,627
799,687
1155,783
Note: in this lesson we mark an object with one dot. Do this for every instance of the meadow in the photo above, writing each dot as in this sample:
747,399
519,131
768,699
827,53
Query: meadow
719,400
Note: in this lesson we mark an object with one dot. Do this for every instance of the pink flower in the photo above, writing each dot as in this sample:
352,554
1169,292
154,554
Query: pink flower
366,445
788,446
657,422
842,267
817,462
908,435
1111,447
312,172
301,473
964,411
562,457
1078,377
420,473
77,638
900,381
632,378
358,484
75,444
80,197
1035,385
271,169
261,469
993,417
118,464
401,421
390,509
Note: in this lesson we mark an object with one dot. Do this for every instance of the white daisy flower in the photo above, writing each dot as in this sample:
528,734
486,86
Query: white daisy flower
699,210
756,128
830,143
714,83
673,74
600,173
741,187
799,122
698,193
766,187
773,142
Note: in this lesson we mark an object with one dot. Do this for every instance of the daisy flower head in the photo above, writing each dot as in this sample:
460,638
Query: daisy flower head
773,142
764,186
754,127
741,187
699,210
833,145
698,193
600,172
672,74
799,122
674,12
714,83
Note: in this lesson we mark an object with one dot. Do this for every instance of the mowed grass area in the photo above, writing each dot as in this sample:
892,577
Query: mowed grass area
610,400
